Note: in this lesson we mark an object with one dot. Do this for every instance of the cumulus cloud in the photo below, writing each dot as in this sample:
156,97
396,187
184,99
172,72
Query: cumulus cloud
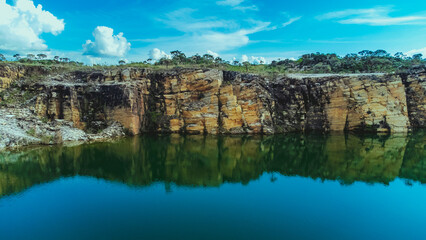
258,60
215,55
416,51
379,16
244,58
156,54
106,44
22,24
253,59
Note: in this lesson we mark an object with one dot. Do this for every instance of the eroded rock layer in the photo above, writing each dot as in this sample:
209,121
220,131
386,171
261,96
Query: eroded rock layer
214,101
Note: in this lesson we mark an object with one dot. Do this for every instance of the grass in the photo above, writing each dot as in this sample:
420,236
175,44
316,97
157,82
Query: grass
32,132
15,95
70,67
45,139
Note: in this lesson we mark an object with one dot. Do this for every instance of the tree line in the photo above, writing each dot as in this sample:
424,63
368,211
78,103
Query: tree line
38,58
361,62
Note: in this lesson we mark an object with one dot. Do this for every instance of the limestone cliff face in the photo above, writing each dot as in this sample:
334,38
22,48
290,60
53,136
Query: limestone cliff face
189,101
11,73
415,89
221,102
8,74
337,103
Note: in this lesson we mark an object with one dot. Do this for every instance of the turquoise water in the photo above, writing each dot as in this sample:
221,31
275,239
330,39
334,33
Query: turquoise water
204,187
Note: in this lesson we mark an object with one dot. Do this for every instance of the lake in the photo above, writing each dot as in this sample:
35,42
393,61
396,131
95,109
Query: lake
297,186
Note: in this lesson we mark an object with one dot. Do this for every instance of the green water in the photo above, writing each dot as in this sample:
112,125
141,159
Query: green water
313,186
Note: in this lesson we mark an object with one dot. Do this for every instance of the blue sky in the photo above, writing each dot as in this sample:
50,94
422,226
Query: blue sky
89,30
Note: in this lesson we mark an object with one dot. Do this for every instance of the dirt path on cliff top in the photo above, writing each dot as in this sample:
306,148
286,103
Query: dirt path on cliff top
322,75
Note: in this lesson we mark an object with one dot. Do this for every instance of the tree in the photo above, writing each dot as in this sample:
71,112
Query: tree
418,56
219,60
380,53
365,53
2,58
121,62
246,64
165,61
208,57
17,56
236,63
196,59
178,56
41,56
400,55
322,68
149,60
56,58
30,56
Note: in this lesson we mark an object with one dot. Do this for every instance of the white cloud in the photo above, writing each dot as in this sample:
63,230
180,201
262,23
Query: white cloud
258,60
244,58
208,33
215,55
156,54
219,41
106,44
236,4
378,16
252,59
416,51
183,21
290,21
22,24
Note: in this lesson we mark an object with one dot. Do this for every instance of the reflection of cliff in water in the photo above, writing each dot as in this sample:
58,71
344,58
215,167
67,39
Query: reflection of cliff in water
211,161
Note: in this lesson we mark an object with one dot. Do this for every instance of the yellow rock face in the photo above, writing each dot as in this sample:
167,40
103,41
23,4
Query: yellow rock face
8,75
359,102
213,101
416,99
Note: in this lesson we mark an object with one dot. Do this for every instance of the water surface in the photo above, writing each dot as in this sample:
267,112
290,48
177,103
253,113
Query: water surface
296,186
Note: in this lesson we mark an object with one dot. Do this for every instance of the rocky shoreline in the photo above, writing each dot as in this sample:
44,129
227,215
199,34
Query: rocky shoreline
42,106
21,127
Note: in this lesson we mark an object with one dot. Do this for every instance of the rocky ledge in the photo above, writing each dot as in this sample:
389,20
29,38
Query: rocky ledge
209,101
21,127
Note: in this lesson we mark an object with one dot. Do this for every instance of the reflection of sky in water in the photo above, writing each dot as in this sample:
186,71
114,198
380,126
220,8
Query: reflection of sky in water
284,187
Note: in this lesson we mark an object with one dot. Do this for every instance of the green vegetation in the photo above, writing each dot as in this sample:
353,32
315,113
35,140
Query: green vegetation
365,61
47,139
15,95
31,132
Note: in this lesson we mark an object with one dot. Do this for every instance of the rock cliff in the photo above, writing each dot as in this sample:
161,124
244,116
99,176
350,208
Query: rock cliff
212,101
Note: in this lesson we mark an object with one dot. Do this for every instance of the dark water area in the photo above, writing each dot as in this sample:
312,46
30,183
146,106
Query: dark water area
335,186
